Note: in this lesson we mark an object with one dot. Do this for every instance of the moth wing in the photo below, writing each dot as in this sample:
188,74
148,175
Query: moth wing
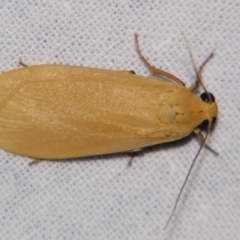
58,112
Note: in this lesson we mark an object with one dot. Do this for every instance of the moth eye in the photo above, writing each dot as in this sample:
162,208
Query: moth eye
204,97
204,124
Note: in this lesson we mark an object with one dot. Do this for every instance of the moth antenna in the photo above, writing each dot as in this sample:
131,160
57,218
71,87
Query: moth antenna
189,172
199,78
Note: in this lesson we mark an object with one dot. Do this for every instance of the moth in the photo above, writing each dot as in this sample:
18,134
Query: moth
63,112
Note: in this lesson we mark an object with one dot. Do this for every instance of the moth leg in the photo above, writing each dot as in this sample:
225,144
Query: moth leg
200,137
133,154
195,85
135,150
205,62
132,72
20,63
131,159
153,70
34,162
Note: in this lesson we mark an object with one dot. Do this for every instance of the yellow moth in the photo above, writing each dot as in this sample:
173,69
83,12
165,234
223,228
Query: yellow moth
62,112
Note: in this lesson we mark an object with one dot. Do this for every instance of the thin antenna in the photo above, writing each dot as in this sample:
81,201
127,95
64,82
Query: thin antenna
199,79
189,172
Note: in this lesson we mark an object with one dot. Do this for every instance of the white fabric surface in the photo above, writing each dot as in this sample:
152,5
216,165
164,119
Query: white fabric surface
102,198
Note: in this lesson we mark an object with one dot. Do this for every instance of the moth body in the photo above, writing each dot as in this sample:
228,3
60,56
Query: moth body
59,112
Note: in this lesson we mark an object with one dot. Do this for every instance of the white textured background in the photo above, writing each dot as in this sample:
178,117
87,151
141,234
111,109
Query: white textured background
102,199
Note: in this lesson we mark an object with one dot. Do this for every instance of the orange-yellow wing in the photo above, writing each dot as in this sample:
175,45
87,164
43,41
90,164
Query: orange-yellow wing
57,112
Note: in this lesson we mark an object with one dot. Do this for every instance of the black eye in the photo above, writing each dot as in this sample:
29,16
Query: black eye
204,124
204,97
